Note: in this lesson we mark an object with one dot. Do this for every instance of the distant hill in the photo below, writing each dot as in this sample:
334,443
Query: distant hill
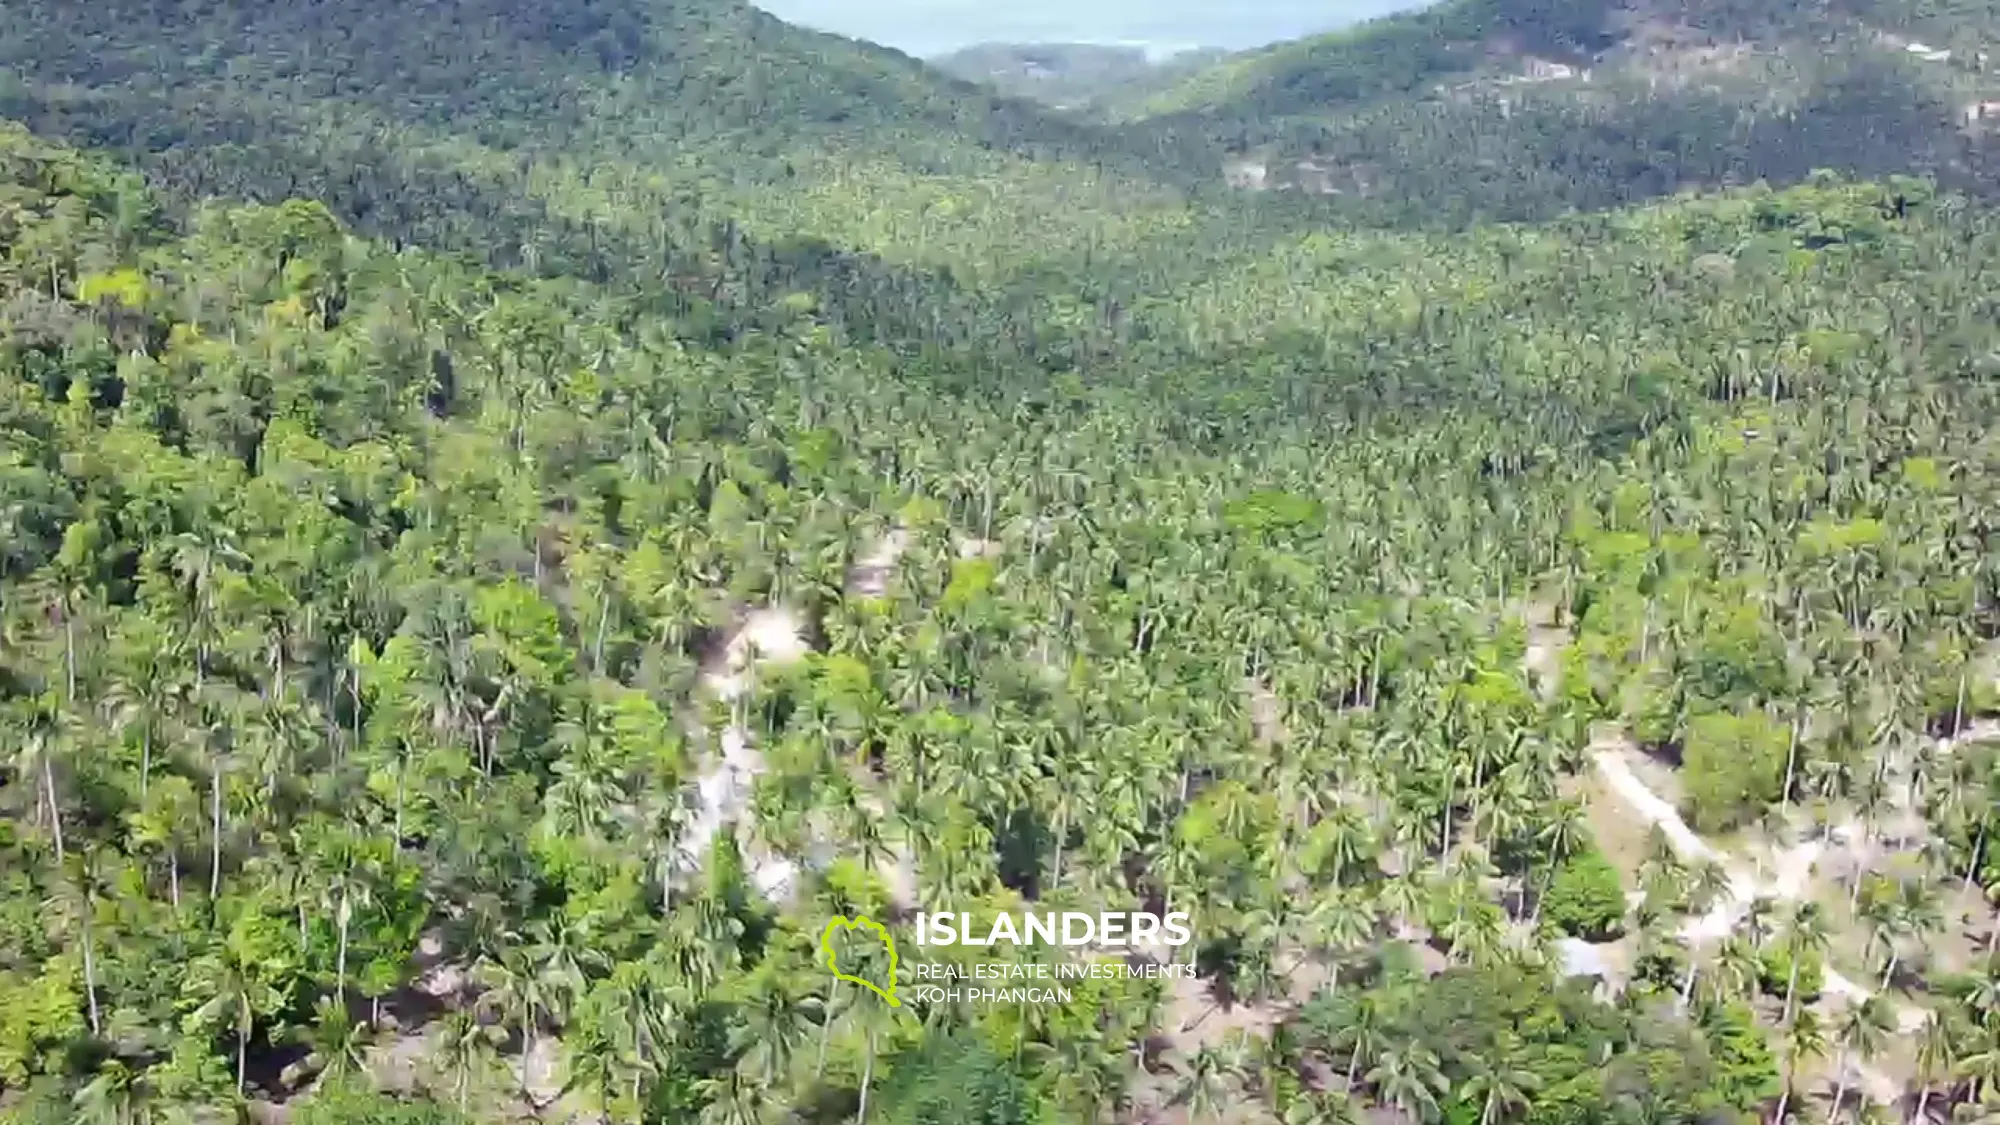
1405,53
1069,75
750,164
596,138
747,160
536,64
1518,110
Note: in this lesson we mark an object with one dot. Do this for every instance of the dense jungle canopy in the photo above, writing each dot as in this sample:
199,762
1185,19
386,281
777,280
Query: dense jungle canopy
512,515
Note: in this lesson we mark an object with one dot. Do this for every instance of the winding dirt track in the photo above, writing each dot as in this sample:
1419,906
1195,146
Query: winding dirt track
1789,879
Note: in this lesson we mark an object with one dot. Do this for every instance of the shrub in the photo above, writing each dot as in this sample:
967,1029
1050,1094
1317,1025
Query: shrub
957,1081
1778,971
1585,899
1735,766
348,1103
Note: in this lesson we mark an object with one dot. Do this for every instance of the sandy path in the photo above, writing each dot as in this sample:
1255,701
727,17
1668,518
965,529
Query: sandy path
724,786
1789,879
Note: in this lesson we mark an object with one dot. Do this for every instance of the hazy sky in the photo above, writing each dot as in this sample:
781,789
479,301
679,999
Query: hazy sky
924,27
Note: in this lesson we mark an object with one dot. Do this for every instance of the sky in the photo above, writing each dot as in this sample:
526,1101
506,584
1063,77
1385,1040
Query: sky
929,27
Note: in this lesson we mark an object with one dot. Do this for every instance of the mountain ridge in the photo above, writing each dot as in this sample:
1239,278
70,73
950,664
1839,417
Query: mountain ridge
1465,109
610,139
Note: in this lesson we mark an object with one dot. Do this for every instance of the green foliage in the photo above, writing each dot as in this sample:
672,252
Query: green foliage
1748,1069
126,286
344,1104
970,581
1734,767
1563,1053
1775,975
1269,510
1585,899
957,1081
369,606
39,1015
1447,115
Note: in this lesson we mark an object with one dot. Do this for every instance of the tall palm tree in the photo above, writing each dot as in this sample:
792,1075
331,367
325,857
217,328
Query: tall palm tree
230,989
522,994
115,1095
464,1053
1937,1056
1708,882
336,1043
1863,1030
1803,1039
1806,934
1978,1064
145,692
349,886
731,1099
775,1021
1340,922
1736,968
38,743
80,888
1204,1083
877,1020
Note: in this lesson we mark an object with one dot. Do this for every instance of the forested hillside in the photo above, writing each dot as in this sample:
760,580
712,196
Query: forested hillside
513,517
699,142
375,719
1482,109
743,160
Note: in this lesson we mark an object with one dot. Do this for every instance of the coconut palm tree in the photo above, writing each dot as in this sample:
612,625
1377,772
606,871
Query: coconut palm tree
115,1095
1863,1030
1407,1075
1204,1083
1937,1057
1805,934
776,1020
523,994
464,1054
1803,1039
230,988
336,1044
1500,1087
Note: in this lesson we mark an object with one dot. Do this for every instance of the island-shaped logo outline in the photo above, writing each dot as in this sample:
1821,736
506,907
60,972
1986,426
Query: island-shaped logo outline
843,922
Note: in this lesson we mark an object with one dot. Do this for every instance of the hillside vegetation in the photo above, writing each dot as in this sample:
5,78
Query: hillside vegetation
504,533
745,160
426,741
1480,109
608,140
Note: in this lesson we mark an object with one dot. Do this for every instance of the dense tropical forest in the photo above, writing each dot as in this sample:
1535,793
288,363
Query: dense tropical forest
505,530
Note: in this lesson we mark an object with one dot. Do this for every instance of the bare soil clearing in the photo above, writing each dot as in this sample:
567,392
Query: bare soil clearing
1267,713
772,635
869,577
